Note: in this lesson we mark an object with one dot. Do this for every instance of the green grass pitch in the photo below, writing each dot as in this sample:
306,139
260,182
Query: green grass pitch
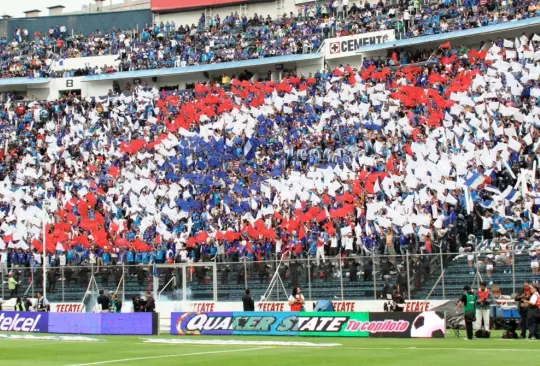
132,351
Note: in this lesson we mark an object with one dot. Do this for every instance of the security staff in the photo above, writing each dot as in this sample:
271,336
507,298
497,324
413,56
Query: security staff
468,301
247,300
20,305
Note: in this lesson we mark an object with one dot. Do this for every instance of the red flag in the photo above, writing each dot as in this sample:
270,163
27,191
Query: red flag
202,237
408,150
37,245
301,232
390,164
329,227
252,232
445,46
321,216
114,171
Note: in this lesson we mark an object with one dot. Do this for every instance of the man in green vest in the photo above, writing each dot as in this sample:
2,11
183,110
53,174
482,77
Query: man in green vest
20,305
468,301
12,285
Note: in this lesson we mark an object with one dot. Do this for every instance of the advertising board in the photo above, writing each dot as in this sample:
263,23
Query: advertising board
106,323
67,307
411,306
11,321
331,324
350,45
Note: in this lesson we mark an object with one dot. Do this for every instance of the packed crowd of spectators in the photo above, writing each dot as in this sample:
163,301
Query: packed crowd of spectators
237,37
375,159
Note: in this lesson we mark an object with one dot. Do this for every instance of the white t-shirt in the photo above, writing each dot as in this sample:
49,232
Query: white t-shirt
534,298
183,255
486,223
292,298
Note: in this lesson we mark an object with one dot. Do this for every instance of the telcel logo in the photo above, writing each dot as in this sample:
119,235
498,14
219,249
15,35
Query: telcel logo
18,323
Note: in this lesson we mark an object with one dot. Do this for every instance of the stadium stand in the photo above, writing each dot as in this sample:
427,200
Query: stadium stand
359,178
237,37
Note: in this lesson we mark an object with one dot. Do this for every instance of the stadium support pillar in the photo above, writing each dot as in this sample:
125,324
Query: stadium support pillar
276,75
442,273
373,274
155,281
123,284
513,268
214,282
341,277
408,277
309,277
184,283
44,226
63,282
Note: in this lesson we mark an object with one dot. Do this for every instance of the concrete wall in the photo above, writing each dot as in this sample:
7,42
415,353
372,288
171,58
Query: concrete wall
192,17
82,62
78,23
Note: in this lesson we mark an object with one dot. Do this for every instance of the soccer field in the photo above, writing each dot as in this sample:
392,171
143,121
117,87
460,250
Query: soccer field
259,351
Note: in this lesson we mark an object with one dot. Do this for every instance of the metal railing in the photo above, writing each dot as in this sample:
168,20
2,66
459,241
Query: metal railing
435,275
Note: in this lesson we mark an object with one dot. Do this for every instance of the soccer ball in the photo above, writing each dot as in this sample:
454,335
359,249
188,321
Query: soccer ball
429,324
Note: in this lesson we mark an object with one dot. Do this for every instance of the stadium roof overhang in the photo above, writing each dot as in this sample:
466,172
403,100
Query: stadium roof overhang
22,81
485,32
204,68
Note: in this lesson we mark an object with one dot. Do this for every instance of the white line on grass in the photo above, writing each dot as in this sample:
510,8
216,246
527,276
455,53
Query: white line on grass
440,349
224,342
169,356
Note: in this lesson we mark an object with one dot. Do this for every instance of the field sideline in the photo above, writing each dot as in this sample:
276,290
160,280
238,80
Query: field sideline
133,351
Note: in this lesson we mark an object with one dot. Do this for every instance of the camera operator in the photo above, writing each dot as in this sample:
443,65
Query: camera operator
42,305
138,305
468,301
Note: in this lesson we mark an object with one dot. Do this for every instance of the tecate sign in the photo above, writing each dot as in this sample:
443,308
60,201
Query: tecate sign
23,322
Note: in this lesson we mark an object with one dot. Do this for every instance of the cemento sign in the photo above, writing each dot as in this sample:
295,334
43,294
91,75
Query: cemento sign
350,45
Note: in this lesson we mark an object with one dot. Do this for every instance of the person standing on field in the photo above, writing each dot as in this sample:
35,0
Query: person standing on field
468,301
12,286
533,313
484,299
